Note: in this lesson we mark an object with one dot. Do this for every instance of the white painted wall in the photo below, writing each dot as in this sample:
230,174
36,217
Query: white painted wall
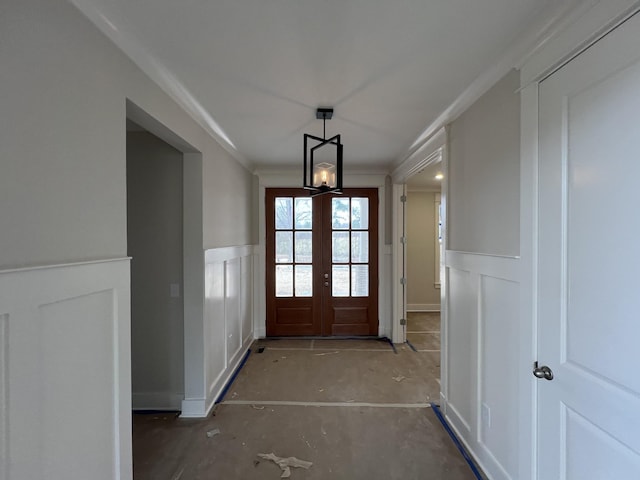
484,173
422,294
154,236
63,96
482,329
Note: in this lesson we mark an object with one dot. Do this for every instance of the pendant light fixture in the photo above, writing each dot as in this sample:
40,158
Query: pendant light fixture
322,159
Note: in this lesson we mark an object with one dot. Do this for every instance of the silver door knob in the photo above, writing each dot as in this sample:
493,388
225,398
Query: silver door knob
542,372
326,284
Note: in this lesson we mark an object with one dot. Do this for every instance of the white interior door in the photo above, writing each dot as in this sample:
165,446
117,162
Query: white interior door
589,263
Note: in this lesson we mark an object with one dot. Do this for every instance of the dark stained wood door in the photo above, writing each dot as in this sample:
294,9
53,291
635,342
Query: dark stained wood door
322,263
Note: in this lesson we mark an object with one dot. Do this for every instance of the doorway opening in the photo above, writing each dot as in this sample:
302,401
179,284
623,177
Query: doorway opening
423,251
321,263
419,246
155,245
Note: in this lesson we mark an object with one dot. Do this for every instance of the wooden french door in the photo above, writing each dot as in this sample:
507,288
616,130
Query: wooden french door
321,263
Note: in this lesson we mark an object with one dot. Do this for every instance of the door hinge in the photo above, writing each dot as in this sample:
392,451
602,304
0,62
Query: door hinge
403,198
403,240
403,321
403,281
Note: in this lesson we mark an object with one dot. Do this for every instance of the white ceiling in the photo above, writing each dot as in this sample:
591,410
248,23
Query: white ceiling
256,70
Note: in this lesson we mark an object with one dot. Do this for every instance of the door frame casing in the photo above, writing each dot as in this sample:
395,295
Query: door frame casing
433,151
292,179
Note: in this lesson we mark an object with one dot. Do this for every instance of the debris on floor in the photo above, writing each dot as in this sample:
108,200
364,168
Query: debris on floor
325,353
256,407
213,433
399,378
286,463
260,349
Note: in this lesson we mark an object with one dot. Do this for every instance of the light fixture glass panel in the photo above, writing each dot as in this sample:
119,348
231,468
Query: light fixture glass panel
303,248
360,247
340,280
360,213
340,213
284,280
303,213
303,279
324,174
284,247
340,247
359,280
284,213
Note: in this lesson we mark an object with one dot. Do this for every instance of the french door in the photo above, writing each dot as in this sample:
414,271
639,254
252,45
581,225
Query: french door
321,263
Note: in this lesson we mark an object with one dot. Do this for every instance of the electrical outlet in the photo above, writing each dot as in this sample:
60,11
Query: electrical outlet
486,416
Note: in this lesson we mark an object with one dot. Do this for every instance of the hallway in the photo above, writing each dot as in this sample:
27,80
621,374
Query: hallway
354,408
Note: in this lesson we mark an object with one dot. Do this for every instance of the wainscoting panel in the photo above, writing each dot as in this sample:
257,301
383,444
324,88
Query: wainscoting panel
498,429
65,373
482,331
228,324
461,326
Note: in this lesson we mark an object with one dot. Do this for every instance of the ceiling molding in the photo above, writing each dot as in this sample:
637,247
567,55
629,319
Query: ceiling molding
430,152
540,31
153,68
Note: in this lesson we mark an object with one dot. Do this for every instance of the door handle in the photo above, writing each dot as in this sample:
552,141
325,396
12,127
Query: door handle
542,372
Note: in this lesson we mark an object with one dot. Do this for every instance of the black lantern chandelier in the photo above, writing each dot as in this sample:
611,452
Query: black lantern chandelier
323,159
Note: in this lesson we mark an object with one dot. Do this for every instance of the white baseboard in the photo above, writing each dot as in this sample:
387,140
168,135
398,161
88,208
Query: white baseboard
156,400
260,332
193,408
423,307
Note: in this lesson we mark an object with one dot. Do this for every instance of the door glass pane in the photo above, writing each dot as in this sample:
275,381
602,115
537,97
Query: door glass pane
284,213
360,213
340,247
304,284
284,280
340,281
360,247
303,213
284,247
304,253
359,280
340,213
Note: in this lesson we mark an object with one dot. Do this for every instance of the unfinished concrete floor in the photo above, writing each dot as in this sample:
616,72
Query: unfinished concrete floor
354,408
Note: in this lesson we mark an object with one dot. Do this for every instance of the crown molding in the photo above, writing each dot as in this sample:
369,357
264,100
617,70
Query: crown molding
547,25
161,76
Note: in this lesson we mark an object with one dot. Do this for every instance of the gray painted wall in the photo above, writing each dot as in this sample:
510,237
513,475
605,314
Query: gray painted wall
421,246
484,173
62,142
154,236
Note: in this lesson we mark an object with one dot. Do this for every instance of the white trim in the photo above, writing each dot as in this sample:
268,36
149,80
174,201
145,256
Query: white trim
165,79
193,408
498,266
584,25
63,265
536,35
224,254
423,307
528,279
428,153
